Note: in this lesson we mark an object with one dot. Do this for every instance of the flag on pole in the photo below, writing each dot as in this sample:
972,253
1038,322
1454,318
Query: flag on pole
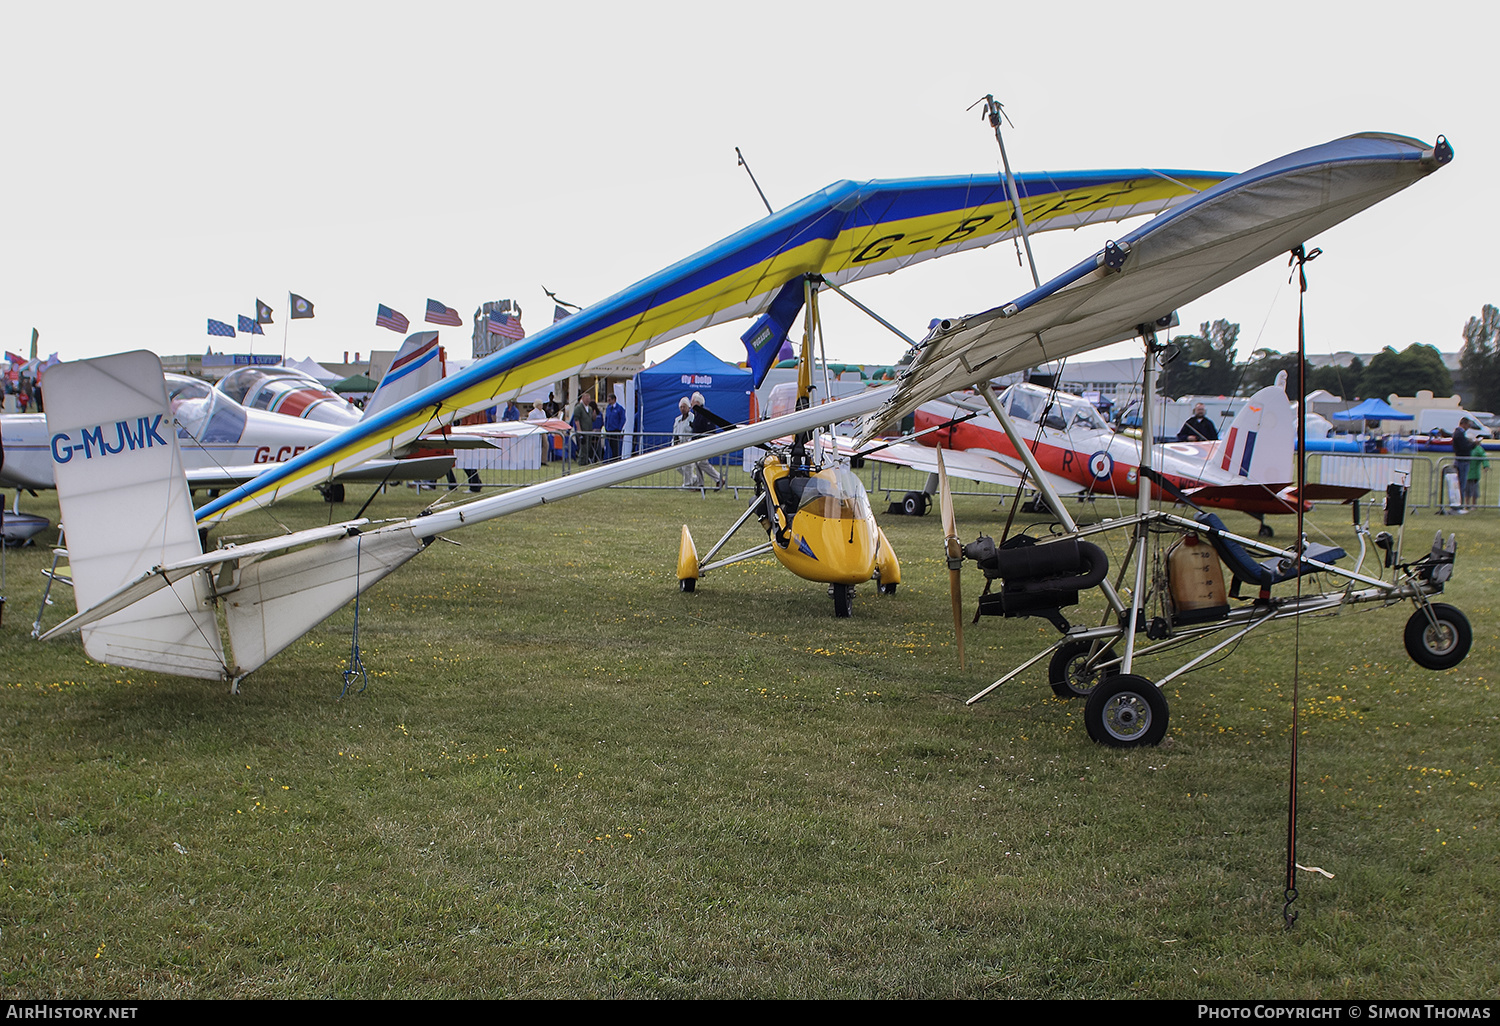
506,326
262,313
437,313
558,313
220,328
300,307
250,326
385,317
15,358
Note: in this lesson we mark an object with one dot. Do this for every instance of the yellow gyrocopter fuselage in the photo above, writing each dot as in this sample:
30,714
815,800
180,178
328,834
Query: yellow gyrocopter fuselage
820,523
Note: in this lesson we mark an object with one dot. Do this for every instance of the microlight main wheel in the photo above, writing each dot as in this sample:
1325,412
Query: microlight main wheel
1070,673
1442,644
688,583
1126,711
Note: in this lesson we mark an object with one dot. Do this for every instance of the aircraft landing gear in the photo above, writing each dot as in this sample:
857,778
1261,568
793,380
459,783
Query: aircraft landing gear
1126,711
843,600
1265,529
912,504
1439,641
687,584
1070,673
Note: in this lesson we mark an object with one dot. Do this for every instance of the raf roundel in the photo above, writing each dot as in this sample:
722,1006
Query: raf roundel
1101,465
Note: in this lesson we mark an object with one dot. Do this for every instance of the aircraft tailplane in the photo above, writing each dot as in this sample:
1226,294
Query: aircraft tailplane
278,599
126,509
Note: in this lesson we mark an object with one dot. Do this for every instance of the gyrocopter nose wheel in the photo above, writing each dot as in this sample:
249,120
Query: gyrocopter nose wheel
843,599
1126,711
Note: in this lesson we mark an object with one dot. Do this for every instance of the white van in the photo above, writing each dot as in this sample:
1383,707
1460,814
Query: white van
1446,421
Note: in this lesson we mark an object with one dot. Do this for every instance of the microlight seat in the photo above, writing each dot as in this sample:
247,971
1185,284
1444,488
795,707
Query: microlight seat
1263,574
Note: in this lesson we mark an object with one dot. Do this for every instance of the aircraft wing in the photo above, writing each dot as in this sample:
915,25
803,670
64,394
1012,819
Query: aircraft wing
481,436
1173,259
971,464
421,468
845,232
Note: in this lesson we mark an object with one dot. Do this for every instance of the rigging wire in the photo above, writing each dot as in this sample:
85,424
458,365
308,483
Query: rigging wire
356,668
1298,262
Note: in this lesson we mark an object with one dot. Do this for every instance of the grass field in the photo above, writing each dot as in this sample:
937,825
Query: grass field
566,778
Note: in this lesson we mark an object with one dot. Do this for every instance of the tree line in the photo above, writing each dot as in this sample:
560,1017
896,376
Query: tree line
1207,364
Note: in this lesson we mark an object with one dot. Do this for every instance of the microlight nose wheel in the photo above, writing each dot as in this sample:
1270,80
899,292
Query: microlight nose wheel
1126,711
843,600
1440,641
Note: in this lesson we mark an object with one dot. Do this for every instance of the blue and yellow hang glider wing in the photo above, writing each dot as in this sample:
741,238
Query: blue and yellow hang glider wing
844,233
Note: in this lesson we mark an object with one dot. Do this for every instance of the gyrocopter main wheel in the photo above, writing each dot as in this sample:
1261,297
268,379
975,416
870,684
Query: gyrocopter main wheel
1126,711
1440,641
1073,674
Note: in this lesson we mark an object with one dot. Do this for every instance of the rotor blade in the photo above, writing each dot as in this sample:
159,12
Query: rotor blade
952,550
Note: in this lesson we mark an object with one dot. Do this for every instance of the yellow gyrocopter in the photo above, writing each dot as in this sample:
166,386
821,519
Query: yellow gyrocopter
814,509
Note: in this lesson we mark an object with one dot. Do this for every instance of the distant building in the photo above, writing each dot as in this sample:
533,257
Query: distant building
487,341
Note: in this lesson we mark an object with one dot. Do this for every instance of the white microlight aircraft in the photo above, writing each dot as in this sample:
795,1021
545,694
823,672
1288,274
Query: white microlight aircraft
1131,288
147,593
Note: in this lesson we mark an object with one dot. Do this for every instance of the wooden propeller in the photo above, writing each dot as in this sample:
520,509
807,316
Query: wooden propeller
953,551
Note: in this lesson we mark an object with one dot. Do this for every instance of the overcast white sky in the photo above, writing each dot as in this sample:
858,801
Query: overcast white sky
170,162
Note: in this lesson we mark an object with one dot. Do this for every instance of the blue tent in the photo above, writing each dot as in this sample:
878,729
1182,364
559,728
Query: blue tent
1372,409
726,391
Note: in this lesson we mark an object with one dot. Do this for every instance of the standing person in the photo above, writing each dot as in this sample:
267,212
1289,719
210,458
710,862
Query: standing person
552,406
583,428
1198,428
614,427
549,442
682,431
512,411
1463,451
706,421
595,441
1479,462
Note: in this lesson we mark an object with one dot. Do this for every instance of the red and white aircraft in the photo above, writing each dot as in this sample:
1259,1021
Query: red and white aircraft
1249,469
